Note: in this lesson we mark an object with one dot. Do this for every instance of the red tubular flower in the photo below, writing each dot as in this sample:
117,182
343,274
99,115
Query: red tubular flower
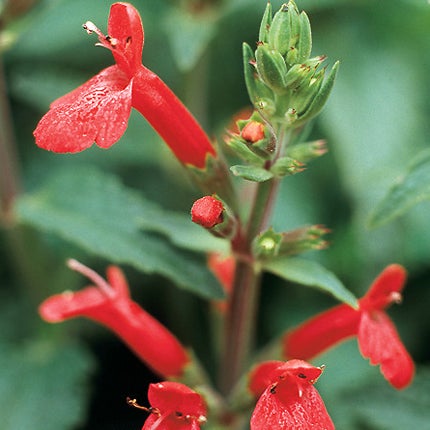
287,398
377,337
174,406
98,111
109,304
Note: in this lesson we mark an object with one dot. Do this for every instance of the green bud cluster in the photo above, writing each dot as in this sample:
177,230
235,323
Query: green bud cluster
269,243
284,83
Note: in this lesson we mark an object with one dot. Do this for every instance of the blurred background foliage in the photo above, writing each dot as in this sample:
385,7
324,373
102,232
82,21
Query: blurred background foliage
76,375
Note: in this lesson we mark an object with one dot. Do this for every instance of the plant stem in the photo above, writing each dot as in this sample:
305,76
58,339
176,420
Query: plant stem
9,178
245,294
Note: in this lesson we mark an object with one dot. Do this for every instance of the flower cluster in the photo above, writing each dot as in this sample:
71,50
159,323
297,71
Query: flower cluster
287,88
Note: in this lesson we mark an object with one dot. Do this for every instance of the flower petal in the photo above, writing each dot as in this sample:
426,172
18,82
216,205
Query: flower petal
321,332
385,288
125,26
174,396
379,341
170,119
70,304
286,409
97,111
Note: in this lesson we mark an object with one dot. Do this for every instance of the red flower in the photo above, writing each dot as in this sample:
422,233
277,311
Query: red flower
98,111
109,304
377,337
174,406
287,398
207,212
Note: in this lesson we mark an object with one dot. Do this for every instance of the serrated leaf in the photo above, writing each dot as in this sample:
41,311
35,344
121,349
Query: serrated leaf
311,274
412,189
42,387
251,173
95,211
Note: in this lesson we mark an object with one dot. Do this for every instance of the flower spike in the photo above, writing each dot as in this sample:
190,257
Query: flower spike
109,303
377,336
98,111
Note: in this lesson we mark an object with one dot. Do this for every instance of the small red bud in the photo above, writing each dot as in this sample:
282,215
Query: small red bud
253,131
207,212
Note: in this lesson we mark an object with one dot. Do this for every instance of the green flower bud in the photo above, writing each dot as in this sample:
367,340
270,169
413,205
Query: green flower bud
271,68
303,239
266,23
321,97
260,95
307,151
304,45
279,34
286,166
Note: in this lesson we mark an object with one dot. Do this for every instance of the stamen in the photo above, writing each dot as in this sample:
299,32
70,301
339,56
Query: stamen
91,28
150,410
396,297
92,276
105,41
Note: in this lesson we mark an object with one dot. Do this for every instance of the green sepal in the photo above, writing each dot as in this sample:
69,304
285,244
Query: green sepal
251,173
308,91
267,244
266,23
286,166
260,95
292,54
303,239
304,46
214,178
271,68
307,151
279,34
243,151
320,99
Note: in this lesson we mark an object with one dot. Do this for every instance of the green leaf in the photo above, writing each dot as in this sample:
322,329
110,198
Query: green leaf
311,274
251,173
42,387
413,188
95,211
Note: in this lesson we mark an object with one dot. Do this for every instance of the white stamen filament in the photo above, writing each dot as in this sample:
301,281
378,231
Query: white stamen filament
92,276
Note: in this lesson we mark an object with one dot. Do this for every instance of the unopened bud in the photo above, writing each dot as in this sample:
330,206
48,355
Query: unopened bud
271,67
212,214
286,166
207,212
307,151
279,35
253,132
303,239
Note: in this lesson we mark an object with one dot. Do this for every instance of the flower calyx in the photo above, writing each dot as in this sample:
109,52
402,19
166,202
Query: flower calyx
270,244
